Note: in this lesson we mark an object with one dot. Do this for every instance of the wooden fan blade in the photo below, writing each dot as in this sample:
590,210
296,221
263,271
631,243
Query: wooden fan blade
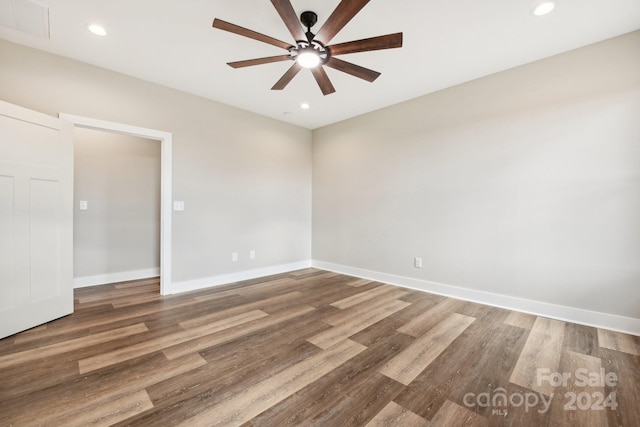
353,69
345,11
287,77
258,61
241,31
290,18
389,41
323,80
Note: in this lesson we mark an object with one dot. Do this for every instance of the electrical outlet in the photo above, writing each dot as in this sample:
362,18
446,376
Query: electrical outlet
417,262
252,254
234,256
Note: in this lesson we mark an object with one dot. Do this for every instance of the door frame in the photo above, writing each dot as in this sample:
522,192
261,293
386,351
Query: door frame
166,141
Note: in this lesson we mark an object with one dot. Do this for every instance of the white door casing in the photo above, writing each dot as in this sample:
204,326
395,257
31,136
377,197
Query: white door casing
36,218
166,150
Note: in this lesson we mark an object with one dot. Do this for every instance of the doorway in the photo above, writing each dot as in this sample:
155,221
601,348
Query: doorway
165,139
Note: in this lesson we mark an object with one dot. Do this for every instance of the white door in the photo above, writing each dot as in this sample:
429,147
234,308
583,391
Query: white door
36,219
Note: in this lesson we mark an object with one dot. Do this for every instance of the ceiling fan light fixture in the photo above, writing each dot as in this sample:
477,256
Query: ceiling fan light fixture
98,30
543,8
308,58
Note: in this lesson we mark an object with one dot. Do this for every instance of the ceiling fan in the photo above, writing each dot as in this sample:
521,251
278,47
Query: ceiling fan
312,50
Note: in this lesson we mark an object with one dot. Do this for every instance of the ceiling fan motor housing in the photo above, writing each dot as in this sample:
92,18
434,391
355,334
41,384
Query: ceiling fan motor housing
309,19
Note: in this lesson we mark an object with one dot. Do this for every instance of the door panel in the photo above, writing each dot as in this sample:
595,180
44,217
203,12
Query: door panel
36,219
7,184
44,234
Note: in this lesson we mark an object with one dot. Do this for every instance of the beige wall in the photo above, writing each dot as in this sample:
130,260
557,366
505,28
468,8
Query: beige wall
119,177
525,183
245,179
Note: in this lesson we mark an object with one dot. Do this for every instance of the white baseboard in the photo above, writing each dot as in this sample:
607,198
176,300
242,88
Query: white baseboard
596,319
223,279
123,276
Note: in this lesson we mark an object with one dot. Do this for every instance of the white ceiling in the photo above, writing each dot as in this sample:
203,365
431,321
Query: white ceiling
172,43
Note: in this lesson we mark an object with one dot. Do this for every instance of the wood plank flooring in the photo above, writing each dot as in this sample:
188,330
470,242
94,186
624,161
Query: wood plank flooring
312,348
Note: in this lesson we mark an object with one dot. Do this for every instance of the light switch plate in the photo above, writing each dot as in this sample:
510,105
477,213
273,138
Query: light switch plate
84,205
178,206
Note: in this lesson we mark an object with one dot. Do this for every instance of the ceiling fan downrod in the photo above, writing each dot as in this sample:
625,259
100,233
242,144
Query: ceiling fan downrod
308,20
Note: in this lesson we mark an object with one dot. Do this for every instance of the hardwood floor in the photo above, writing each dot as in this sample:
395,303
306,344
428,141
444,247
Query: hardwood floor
312,348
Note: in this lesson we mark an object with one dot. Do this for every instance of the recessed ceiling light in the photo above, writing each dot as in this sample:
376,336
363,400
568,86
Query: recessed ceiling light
543,8
305,106
98,30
